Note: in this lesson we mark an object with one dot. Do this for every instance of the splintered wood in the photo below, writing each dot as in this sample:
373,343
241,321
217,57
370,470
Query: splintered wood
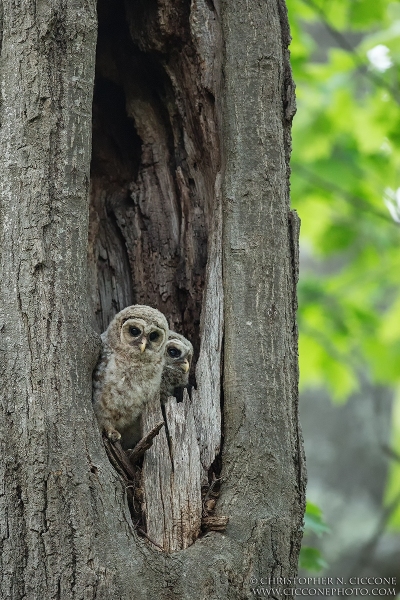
177,464
206,398
171,477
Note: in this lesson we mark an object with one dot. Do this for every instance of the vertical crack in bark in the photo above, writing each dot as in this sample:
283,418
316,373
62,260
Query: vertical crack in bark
294,231
168,436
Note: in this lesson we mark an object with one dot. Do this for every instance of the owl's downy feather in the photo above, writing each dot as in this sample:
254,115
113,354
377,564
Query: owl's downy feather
178,360
128,373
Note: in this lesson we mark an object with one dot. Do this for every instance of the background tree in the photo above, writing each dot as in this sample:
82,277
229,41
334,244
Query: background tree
185,164
345,183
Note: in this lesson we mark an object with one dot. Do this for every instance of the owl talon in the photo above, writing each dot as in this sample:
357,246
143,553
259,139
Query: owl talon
113,435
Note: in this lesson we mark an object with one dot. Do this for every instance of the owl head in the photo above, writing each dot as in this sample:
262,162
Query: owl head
139,330
178,353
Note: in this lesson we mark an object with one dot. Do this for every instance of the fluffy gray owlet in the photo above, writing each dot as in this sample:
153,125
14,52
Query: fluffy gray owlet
178,359
129,370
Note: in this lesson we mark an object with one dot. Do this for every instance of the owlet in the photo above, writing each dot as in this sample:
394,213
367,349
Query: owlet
129,371
178,359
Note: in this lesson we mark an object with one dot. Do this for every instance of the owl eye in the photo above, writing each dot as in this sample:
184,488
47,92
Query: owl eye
174,352
135,331
154,336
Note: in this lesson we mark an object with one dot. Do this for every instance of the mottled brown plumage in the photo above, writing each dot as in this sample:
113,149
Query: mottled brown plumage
128,373
178,360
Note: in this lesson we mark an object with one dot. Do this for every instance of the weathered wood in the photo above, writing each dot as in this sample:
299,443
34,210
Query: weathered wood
171,478
194,428
186,472
156,478
207,396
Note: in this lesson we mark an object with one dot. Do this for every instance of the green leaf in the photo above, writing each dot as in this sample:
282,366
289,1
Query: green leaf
313,521
311,559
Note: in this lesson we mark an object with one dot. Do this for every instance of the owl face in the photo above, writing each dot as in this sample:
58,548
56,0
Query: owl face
178,353
138,331
141,335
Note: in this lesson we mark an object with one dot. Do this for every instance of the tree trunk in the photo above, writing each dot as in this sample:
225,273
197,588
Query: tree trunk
188,180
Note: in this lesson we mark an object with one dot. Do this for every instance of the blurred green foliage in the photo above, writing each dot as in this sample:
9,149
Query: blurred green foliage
311,558
346,188
313,521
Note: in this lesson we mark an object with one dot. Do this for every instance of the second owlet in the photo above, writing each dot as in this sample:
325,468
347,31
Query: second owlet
178,359
129,371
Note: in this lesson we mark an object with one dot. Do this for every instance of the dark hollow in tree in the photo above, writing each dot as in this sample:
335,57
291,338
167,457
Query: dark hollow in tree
192,109
154,217
155,160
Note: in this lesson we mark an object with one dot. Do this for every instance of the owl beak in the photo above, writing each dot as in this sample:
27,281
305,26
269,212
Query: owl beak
142,345
185,366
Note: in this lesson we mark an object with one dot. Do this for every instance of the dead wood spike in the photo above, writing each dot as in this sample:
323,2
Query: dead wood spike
145,443
119,460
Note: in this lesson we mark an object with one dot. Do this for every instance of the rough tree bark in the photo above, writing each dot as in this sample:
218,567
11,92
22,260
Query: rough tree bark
186,163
